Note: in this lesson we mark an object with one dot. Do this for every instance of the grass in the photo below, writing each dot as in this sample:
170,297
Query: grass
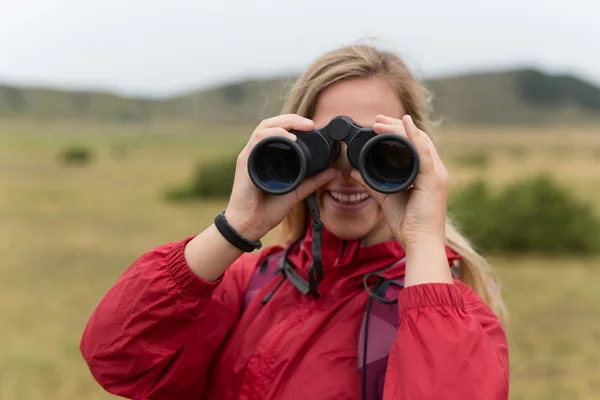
68,233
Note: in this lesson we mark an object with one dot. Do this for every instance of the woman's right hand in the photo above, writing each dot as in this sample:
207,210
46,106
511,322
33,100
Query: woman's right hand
250,211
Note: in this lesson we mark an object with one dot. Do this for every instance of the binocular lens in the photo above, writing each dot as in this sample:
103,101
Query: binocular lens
389,164
277,166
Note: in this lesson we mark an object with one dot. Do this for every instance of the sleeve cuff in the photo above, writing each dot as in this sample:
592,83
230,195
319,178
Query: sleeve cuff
430,295
183,275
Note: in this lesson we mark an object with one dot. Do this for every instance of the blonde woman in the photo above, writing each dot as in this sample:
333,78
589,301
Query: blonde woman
200,318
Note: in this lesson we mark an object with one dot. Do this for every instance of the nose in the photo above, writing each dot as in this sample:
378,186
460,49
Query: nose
342,164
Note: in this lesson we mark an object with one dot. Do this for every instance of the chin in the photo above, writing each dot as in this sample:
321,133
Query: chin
350,225
343,231
351,218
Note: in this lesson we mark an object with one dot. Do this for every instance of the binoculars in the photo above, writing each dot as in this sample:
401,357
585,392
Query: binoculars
387,162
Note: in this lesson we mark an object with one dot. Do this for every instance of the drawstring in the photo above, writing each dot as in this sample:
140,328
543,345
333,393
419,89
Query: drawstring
286,268
315,271
266,299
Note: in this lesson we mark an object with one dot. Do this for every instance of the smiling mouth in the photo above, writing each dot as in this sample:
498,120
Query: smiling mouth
349,199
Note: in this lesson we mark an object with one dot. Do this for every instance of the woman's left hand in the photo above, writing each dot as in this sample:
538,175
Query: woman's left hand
417,215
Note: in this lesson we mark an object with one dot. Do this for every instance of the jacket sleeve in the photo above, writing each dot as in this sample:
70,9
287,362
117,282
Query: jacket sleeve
449,345
158,329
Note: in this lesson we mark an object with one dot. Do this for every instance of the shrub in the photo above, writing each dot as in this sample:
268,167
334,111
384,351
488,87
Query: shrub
212,180
472,208
180,194
76,155
532,215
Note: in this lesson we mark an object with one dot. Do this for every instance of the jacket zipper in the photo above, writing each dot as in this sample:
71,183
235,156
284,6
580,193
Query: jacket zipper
344,247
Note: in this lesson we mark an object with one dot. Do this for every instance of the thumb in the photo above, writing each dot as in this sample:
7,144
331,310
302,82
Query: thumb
311,184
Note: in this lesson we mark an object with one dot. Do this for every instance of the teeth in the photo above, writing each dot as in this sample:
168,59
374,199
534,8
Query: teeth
352,198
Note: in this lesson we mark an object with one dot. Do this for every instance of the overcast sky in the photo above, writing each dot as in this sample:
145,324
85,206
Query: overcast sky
161,47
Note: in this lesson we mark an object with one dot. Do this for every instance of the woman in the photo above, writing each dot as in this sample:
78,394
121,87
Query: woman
178,323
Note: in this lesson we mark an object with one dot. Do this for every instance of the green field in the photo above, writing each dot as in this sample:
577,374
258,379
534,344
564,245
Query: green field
68,232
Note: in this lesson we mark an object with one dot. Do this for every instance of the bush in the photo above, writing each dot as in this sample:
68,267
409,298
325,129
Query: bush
472,207
212,180
533,215
76,156
180,194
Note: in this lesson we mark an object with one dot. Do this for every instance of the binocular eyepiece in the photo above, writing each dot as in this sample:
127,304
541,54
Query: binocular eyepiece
388,163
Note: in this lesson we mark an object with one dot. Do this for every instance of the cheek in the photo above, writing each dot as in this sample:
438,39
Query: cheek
376,212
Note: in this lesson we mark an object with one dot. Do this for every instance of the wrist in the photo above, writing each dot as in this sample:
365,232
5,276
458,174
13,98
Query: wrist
425,242
427,262
245,227
427,252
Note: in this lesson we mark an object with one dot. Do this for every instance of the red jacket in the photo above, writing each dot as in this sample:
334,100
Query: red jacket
161,332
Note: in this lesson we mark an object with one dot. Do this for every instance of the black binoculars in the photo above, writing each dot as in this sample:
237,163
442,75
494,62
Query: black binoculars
387,162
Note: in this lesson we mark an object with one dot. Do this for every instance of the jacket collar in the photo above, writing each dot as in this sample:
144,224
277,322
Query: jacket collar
338,253
346,262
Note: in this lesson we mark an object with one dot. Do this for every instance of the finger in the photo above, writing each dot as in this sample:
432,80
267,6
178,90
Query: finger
443,177
384,119
398,203
421,143
268,132
256,137
287,122
313,183
381,128
437,161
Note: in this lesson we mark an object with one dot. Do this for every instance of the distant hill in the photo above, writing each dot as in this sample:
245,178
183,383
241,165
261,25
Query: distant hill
524,96
515,97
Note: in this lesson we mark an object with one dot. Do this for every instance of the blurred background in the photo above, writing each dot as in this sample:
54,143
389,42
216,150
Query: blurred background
120,122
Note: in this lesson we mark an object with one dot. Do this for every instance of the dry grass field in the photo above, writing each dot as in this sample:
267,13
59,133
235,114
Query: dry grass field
67,232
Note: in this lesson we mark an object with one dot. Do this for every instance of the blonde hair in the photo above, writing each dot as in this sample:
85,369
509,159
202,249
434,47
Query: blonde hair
364,61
